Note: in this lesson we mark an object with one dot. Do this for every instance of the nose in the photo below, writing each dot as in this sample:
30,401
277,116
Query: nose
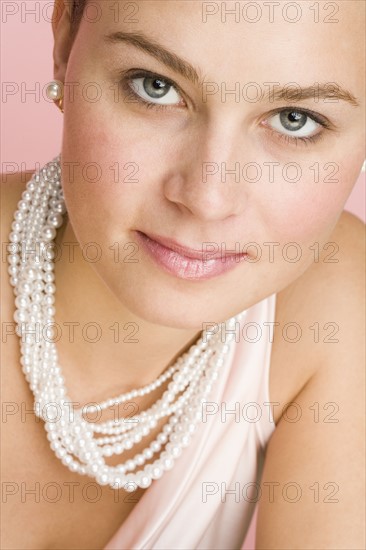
207,180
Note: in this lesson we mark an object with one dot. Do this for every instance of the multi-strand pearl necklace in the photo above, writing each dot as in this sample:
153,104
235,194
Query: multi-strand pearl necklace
39,214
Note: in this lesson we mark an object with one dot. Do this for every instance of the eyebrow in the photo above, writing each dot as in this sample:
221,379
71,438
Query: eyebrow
328,90
149,46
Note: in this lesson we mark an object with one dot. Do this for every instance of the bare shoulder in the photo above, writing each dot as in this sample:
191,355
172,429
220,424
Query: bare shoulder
317,310
315,459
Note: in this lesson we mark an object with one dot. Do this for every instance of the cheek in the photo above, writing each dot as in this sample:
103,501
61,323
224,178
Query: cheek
105,175
307,210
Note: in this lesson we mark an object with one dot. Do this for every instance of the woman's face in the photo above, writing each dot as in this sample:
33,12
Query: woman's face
219,161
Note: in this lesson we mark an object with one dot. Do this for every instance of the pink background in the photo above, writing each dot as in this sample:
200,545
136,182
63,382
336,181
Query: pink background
31,126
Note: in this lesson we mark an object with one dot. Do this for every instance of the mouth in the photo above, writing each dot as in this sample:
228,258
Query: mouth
189,263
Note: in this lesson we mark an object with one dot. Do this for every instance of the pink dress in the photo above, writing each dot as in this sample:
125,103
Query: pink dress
207,500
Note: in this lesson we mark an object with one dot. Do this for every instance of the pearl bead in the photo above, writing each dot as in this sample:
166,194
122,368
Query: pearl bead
54,91
50,288
102,479
168,463
13,270
30,186
55,220
130,485
130,465
57,206
157,472
48,233
143,481
14,237
155,446
147,453
139,459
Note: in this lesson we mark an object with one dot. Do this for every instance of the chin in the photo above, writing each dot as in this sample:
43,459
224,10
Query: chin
156,302
160,310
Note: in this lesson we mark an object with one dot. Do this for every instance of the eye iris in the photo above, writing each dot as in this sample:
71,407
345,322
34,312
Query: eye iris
293,120
155,87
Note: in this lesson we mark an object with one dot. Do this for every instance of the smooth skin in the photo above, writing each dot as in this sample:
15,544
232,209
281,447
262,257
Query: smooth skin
171,199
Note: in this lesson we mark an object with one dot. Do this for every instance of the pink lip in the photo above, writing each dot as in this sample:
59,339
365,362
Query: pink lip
189,263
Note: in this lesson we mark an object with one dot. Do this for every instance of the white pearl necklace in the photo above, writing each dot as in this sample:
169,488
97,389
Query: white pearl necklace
39,214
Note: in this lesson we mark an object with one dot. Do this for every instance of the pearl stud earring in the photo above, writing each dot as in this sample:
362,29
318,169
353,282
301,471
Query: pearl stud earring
55,92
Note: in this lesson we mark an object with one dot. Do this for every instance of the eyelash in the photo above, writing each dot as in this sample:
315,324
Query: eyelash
282,137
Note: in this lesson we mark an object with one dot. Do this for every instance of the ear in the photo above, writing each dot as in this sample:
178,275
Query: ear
61,27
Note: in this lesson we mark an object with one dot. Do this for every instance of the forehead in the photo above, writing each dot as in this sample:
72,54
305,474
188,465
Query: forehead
279,40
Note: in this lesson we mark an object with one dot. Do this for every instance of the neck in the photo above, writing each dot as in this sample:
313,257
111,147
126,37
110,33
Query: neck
112,350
